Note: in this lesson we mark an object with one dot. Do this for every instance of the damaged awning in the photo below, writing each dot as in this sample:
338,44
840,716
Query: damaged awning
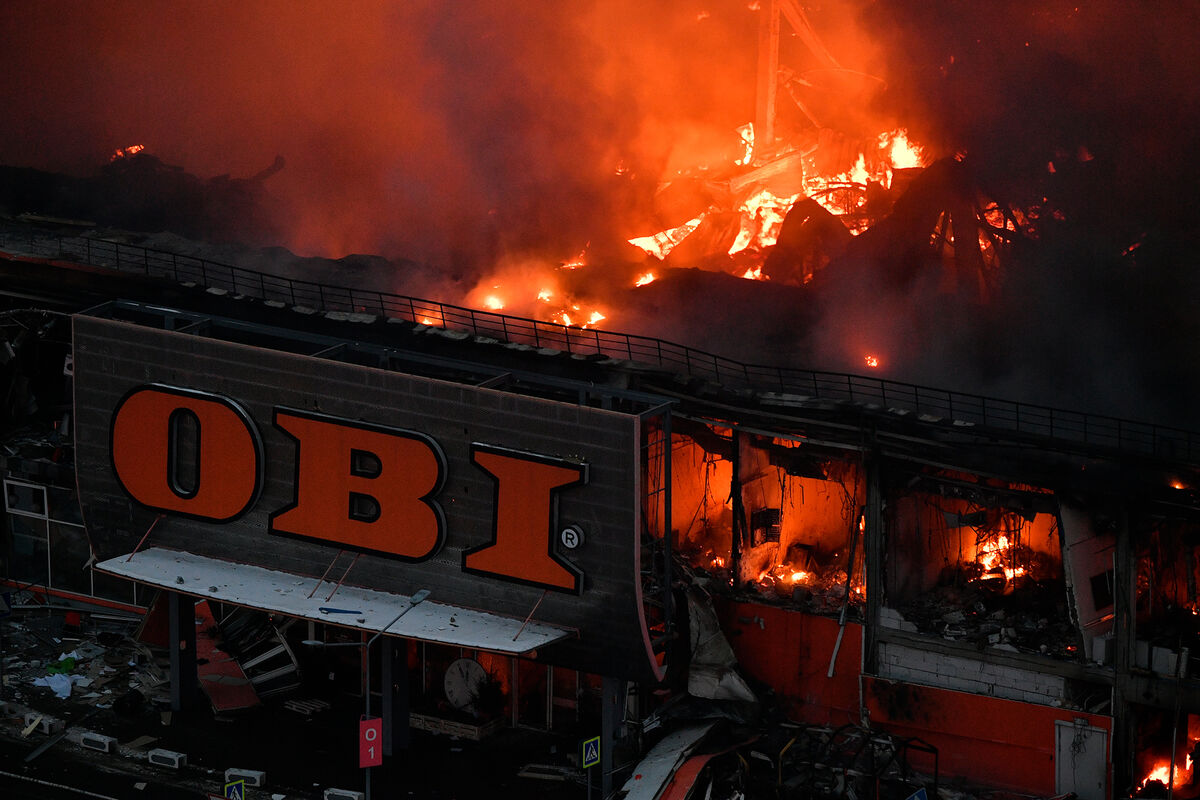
353,607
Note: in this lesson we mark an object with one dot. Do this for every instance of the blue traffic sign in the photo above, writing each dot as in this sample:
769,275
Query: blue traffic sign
591,752
236,790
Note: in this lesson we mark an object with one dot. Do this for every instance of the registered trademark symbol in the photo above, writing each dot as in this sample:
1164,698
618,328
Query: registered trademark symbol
571,537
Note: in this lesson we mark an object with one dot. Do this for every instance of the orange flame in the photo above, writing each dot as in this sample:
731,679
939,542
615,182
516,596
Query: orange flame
645,279
126,152
901,152
872,361
993,554
1162,773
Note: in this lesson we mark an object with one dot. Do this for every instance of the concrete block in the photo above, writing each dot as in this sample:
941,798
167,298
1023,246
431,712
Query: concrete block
1102,649
97,741
167,758
890,618
1163,661
343,794
252,777
48,725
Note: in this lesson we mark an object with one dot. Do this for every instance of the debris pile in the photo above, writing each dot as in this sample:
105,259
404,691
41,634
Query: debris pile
1033,618
89,660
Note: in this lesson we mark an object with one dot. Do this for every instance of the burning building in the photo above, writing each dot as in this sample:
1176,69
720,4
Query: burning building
1003,589
998,591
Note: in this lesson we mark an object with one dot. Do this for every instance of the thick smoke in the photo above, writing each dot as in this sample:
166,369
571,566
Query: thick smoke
1099,312
474,133
444,132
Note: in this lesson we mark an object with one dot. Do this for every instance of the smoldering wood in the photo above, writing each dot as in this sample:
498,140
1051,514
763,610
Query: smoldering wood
809,239
711,239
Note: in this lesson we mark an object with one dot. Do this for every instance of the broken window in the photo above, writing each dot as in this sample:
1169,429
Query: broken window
979,561
764,515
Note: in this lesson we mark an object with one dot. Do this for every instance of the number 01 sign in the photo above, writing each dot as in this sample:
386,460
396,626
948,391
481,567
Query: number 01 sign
370,750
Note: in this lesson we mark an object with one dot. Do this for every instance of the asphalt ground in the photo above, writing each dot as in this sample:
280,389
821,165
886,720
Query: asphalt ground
301,756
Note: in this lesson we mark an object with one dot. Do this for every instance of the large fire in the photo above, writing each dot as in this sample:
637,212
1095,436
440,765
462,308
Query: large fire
761,211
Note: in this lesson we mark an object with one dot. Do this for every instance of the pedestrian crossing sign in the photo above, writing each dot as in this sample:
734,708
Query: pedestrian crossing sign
236,790
591,752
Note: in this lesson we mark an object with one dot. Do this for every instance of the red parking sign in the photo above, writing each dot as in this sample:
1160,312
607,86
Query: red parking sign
370,735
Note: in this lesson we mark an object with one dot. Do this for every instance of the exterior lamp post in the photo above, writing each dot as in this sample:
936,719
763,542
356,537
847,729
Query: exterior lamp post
417,598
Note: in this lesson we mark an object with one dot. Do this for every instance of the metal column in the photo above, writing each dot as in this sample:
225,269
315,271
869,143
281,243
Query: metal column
394,686
612,713
181,611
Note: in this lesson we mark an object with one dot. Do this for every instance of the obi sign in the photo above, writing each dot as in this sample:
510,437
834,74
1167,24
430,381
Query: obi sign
357,485
389,479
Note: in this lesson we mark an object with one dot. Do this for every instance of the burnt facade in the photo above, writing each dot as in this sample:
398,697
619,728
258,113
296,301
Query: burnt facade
1013,586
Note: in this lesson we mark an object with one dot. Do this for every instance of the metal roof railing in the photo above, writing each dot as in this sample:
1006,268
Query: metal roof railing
927,402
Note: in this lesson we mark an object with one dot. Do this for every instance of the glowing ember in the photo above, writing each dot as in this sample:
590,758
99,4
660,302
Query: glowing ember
126,152
644,279
566,317
799,576
544,295
754,274
872,361
747,134
427,321
493,302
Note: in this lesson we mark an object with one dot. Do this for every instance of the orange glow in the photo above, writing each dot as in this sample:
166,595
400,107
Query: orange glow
594,318
544,295
578,261
902,153
1177,485
872,361
493,302
126,152
427,321
754,274
644,279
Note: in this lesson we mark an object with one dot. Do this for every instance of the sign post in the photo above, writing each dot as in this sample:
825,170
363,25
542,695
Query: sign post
370,744
590,757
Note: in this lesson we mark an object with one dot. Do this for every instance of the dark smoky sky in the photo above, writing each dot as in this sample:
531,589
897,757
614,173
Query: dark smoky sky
455,132
429,129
